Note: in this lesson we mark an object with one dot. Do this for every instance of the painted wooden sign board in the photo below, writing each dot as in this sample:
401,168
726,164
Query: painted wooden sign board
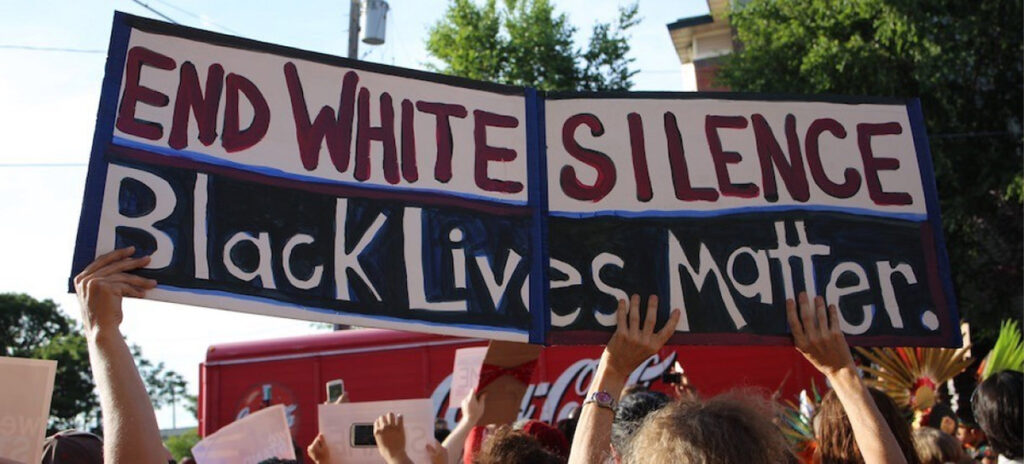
277,181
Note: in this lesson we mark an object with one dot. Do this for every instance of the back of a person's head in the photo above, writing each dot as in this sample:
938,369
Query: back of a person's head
509,446
997,408
633,409
835,434
73,447
733,428
934,446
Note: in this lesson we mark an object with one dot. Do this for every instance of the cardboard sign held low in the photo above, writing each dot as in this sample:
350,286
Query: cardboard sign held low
348,429
249,440
27,386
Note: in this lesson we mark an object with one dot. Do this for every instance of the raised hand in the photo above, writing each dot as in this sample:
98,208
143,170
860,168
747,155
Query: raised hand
102,285
438,454
389,430
472,408
632,342
817,336
318,450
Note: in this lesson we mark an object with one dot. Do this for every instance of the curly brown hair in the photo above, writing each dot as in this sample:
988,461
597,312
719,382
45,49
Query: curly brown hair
508,446
731,428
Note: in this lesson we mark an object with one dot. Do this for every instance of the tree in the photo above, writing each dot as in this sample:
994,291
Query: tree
963,60
180,446
30,328
527,44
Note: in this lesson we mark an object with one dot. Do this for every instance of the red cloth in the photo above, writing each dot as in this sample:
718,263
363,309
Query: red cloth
551,438
474,441
489,373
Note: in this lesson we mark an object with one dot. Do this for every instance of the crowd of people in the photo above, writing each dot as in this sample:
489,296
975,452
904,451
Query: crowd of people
618,422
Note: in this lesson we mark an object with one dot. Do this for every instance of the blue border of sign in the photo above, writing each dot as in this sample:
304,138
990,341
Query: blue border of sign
536,148
96,177
931,193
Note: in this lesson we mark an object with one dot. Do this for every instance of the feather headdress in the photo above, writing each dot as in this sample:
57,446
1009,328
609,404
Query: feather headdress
1008,352
910,376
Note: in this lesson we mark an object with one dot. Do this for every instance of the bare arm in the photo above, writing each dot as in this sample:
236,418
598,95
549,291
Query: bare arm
817,336
131,431
629,346
472,409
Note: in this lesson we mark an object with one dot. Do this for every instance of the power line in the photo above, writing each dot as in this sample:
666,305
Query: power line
48,49
168,18
43,165
196,16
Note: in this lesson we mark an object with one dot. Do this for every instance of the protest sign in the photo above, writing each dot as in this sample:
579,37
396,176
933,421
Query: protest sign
271,180
727,207
27,386
466,372
348,429
275,181
261,435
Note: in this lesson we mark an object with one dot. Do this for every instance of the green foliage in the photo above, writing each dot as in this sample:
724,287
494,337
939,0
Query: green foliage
180,446
30,328
527,43
1008,352
963,60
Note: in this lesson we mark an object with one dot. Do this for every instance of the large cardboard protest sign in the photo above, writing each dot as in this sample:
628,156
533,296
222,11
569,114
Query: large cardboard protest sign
727,207
348,429
271,180
27,387
261,435
281,182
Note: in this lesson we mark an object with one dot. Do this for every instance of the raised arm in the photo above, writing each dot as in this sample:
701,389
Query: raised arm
817,336
630,345
129,424
472,409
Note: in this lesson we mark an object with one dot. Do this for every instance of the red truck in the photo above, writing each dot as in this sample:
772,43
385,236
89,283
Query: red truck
239,378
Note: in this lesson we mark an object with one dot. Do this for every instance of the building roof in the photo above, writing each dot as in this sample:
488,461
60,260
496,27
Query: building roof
690,22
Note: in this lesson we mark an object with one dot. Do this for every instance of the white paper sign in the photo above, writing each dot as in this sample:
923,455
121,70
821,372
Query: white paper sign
249,440
26,386
466,373
337,422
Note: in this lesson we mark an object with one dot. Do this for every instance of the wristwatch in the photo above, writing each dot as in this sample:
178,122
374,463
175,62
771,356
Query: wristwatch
601,399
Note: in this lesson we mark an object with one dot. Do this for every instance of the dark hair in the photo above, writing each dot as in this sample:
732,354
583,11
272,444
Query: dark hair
835,438
997,408
934,446
734,427
633,409
508,446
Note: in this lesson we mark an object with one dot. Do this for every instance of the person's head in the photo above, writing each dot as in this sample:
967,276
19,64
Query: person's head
997,408
508,446
73,447
941,417
735,427
568,425
835,434
549,437
441,429
633,409
934,446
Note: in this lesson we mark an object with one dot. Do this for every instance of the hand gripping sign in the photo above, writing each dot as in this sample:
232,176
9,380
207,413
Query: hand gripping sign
271,180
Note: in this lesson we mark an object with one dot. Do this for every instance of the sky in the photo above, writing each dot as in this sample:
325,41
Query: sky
48,102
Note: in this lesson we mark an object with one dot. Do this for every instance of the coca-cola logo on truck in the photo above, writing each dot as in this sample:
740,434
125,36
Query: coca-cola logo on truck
552,401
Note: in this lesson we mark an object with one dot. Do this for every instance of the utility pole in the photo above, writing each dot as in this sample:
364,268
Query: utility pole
353,29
